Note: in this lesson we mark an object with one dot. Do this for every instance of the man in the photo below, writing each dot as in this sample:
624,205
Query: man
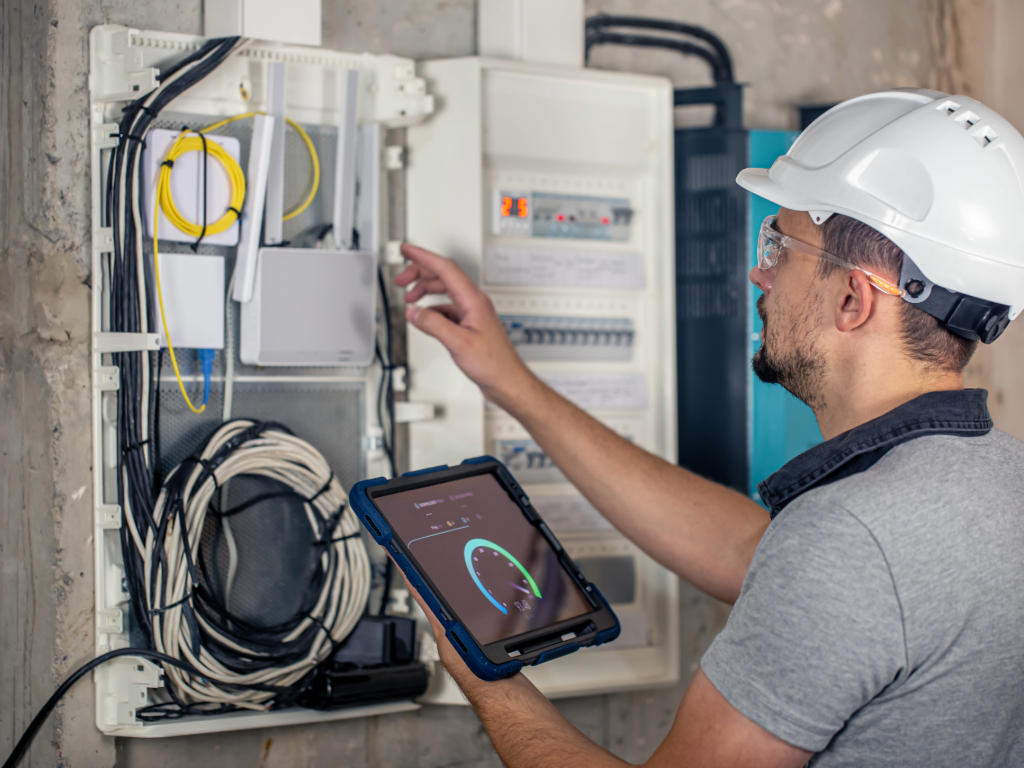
879,606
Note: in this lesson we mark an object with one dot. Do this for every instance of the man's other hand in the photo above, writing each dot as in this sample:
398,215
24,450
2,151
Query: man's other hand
468,327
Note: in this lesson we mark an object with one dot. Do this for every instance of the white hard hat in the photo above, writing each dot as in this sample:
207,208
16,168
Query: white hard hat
938,175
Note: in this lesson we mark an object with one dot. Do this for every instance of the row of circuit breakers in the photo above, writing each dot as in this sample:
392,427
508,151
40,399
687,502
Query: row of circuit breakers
578,217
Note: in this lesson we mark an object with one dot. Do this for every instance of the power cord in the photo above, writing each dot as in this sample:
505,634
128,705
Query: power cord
37,722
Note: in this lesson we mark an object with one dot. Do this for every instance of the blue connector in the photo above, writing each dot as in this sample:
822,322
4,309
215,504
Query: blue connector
206,358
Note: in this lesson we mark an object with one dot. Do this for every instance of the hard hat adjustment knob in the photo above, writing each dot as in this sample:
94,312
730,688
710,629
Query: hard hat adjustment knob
914,287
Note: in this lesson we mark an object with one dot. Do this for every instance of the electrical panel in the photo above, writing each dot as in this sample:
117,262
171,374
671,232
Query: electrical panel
552,188
330,405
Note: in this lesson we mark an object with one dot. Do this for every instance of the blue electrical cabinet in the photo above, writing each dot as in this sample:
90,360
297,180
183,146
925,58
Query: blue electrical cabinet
733,429
780,426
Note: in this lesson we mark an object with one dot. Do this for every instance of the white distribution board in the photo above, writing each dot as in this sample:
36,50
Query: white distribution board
552,188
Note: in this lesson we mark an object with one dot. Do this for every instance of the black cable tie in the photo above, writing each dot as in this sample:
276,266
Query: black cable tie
168,163
128,136
148,111
209,468
318,621
323,490
238,213
328,542
156,611
134,446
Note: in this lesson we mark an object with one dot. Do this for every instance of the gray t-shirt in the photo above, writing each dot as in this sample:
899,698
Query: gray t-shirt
881,622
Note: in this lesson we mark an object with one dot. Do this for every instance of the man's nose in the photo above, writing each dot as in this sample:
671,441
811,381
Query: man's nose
762,278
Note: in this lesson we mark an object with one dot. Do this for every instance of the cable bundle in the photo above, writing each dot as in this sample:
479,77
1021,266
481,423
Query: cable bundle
238,664
132,308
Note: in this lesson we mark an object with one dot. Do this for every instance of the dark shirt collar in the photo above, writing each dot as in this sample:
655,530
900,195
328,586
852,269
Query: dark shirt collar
959,412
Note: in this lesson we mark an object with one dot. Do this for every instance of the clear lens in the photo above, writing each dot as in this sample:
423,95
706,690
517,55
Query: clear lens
767,249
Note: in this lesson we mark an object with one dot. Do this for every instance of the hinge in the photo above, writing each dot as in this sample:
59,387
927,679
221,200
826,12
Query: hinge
108,378
105,135
108,516
126,342
109,621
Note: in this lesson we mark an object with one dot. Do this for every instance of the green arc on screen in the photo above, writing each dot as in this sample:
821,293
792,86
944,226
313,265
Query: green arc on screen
468,551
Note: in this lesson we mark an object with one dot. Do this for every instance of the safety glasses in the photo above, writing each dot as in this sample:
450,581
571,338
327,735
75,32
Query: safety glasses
771,242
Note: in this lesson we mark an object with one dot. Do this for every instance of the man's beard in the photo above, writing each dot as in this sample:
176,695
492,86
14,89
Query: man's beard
801,370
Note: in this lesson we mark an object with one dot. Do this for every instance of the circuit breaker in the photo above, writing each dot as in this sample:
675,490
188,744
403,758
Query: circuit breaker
552,188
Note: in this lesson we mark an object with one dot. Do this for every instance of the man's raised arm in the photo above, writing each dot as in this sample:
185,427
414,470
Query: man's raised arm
702,531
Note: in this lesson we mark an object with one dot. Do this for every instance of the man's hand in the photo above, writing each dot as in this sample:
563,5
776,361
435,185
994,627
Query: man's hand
700,530
469,327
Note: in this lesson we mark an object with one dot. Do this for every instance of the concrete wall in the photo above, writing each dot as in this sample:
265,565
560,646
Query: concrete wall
986,61
789,51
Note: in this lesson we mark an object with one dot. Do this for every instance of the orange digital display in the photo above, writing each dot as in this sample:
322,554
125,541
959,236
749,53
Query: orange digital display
515,207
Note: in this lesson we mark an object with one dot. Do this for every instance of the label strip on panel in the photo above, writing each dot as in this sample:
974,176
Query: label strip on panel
564,268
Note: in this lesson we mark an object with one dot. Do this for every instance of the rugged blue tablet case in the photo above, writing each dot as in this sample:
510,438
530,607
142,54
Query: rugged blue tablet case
460,639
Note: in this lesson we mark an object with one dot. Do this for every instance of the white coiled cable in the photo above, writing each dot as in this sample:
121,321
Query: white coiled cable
180,624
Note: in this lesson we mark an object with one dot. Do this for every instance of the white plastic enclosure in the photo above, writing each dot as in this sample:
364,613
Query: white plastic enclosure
124,64
590,296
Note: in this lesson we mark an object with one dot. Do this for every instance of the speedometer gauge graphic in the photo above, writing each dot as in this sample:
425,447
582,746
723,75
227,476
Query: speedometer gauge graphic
500,577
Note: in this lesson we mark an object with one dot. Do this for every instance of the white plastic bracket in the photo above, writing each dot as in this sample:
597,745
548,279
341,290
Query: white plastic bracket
108,378
393,253
109,621
105,341
108,516
373,443
105,135
118,73
401,97
398,379
394,157
132,678
103,239
408,412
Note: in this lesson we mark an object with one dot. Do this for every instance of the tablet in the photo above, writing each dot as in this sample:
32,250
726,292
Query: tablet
473,546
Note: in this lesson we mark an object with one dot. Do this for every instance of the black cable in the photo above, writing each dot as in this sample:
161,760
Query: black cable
37,722
138,461
387,370
595,23
718,69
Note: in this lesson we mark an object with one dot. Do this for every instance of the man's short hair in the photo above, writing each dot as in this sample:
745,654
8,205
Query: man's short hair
924,338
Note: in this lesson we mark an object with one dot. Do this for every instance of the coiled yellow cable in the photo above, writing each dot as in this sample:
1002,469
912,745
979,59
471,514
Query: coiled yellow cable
236,179
191,142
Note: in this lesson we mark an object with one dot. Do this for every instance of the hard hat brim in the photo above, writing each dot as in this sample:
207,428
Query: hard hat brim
757,181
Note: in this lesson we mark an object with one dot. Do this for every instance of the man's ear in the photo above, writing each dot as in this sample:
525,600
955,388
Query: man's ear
854,302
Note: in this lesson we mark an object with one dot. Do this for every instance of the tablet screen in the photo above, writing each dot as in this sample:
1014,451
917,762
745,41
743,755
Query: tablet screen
495,569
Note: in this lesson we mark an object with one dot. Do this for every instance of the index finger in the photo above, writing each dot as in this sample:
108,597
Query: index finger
462,290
